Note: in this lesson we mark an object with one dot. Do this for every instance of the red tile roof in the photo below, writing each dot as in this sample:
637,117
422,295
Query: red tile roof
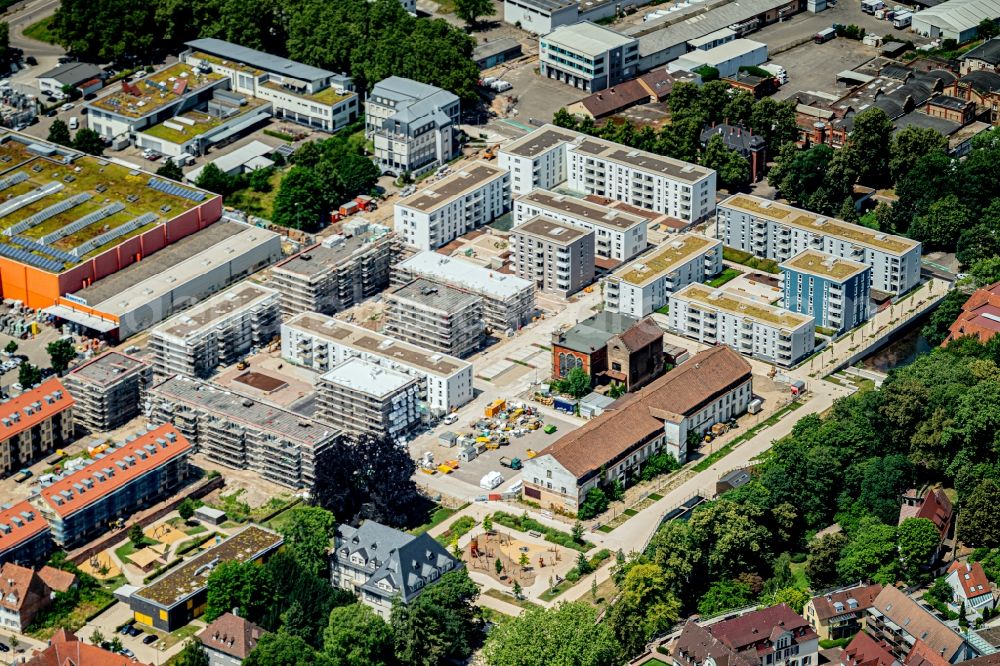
21,587
641,334
921,654
65,649
57,579
864,595
972,578
232,635
747,630
980,315
18,524
33,407
115,469
863,650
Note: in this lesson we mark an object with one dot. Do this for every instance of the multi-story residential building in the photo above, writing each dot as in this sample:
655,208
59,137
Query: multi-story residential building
715,385
551,155
181,594
380,564
413,125
321,342
508,301
435,317
775,636
970,587
335,274
33,424
557,257
108,390
588,56
299,93
216,332
25,537
900,622
229,639
465,200
242,432
618,235
25,592
538,159
365,398
841,613
129,477
835,292
585,345
717,316
776,231
644,285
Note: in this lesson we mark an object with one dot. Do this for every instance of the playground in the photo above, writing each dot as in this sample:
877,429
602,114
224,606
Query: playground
520,561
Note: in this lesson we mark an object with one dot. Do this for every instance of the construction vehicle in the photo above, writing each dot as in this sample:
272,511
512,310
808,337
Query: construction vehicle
513,463
242,365
549,429
530,453
720,429
491,152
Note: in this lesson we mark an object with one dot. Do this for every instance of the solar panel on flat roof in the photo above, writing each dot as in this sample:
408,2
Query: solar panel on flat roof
109,236
25,257
31,245
84,221
175,189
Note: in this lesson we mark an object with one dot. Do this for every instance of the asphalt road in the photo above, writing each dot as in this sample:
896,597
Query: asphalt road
25,15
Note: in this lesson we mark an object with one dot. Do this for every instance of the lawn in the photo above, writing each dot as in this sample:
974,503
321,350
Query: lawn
799,573
713,458
456,531
69,611
555,590
724,277
552,535
509,598
750,261
257,203
438,515
40,31
129,548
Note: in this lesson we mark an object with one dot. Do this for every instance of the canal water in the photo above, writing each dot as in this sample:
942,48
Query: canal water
901,351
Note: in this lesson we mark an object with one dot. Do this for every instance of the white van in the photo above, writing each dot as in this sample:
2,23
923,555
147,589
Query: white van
74,123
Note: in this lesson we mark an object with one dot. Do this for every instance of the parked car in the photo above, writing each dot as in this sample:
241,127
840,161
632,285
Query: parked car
152,638
4,648
128,653
66,107
31,60
134,631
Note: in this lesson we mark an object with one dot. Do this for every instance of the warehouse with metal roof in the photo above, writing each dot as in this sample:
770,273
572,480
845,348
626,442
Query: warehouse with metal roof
956,19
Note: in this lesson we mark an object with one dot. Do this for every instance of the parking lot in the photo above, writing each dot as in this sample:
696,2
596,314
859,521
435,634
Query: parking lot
538,97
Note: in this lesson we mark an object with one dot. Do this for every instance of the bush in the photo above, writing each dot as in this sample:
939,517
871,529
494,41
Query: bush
459,528
573,575
657,464
707,73
594,504
525,524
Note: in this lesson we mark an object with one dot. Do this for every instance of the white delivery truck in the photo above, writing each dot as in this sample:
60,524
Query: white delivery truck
777,71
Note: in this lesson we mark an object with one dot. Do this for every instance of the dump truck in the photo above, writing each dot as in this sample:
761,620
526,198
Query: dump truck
513,463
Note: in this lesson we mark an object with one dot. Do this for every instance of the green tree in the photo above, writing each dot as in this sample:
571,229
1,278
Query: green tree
213,179
919,541
471,11
645,608
985,272
299,203
723,595
870,553
59,133
793,596
11,347
576,383
909,145
583,565
871,138
136,536
733,170
356,636
234,584
941,225
284,649
988,29
186,508
944,315
978,523
308,532
594,504
171,170
739,108
884,482
260,179
116,644
798,174
566,635
193,654
775,121
564,118
577,532
96,637
488,523
440,625
735,535
88,141
498,565
28,375
61,352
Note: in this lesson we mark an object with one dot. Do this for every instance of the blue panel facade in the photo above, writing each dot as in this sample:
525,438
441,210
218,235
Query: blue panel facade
838,305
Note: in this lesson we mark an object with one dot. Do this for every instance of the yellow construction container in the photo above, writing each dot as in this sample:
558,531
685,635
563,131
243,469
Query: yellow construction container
493,445
444,469
495,407
530,453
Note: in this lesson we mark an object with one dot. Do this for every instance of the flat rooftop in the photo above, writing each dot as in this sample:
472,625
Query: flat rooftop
824,265
192,124
210,313
588,211
59,207
371,342
587,38
107,368
367,377
443,192
258,59
541,140
673,253
551,230
327,96
819,224
638,159
145,96
320,259
181,583
726,301
434,295
175,264
466,275
245,410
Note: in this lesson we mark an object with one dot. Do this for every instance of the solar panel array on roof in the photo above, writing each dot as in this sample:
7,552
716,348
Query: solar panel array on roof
13,179
31,245
47,213
30,197
175,189
109,236
25,257
84,221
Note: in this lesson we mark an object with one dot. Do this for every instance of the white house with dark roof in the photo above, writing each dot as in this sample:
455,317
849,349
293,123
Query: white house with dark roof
379,564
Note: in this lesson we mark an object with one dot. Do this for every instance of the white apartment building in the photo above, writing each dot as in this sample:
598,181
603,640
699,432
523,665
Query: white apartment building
320,342
777,231
588,56
556,256
766,332
414,126
465,200
644,285
618,235
216,332
367,398
551,155
508,301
